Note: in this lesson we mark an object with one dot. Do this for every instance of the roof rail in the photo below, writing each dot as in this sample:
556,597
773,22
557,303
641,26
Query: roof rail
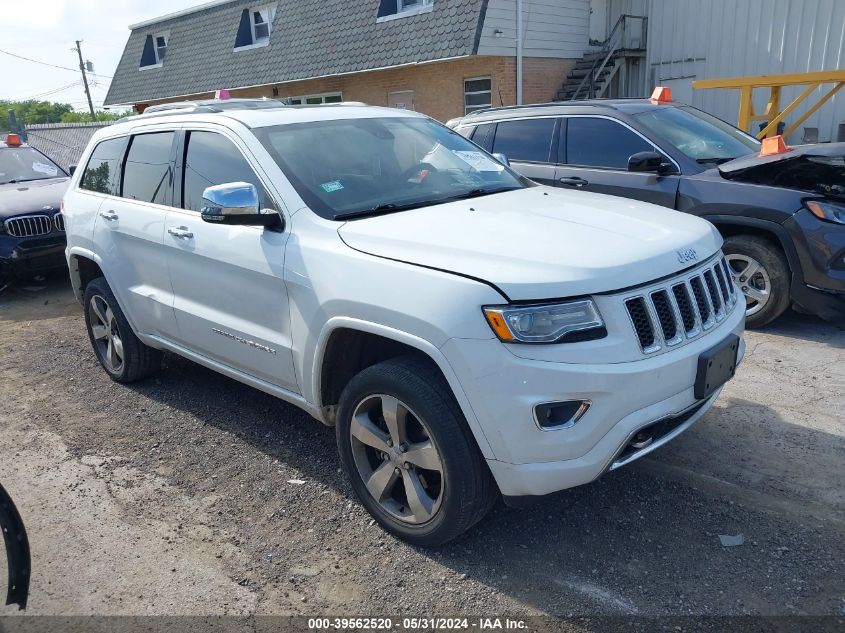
216,105
550,104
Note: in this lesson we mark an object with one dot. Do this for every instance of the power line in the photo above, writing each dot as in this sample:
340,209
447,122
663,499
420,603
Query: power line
35,61
46,93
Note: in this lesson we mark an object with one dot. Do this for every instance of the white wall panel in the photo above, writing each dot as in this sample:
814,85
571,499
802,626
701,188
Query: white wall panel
709,39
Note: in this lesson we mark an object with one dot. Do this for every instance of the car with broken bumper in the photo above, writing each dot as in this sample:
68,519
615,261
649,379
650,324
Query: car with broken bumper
781,212
467,332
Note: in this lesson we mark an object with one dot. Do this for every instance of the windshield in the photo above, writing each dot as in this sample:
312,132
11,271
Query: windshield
20,164
357,167
702,137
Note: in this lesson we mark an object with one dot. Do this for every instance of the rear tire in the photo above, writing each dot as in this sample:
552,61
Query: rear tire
122,354
432,484
760,270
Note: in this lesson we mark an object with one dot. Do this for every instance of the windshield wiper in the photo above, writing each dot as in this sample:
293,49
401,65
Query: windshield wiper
387,207
715,160
15,181
390,207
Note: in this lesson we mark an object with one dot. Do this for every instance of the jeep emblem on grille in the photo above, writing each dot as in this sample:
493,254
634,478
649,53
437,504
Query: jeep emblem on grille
687,255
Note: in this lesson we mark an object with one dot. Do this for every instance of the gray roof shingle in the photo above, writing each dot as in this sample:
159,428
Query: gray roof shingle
310,38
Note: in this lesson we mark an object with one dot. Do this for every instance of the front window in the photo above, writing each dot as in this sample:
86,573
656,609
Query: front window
24,164
357,167
701,136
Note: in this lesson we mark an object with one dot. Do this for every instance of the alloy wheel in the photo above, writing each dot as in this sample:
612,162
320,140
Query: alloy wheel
106,334
752,279
397,459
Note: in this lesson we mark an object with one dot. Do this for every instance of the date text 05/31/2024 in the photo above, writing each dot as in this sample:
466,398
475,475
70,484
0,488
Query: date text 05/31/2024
416,624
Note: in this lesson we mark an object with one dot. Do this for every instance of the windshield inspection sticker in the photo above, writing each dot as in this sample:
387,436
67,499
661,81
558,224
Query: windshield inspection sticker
479,161
42,168
329,187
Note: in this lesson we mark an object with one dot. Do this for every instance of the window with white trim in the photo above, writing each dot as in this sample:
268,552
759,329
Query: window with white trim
155,50
255,27
328,97
478,94
160,47
391,9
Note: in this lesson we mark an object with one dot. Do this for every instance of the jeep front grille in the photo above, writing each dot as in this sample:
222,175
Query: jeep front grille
29,225
683,307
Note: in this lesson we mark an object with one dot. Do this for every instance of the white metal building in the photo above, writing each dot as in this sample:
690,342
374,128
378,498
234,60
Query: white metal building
709,39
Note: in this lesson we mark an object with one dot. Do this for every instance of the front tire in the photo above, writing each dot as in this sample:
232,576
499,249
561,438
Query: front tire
409,454
122,354
760,270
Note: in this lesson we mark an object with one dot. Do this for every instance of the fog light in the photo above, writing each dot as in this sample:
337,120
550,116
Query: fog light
551,416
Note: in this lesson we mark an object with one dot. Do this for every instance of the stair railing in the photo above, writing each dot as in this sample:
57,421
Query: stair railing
613,43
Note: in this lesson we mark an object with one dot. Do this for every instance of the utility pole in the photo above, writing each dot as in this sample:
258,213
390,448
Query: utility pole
85,81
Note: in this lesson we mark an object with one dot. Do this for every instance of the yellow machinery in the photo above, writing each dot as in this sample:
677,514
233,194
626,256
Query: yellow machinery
773,114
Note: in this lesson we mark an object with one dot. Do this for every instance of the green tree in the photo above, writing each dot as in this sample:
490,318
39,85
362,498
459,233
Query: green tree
31,112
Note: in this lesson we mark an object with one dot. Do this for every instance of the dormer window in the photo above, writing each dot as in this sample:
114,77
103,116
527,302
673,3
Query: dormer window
155,50
392,9
255,27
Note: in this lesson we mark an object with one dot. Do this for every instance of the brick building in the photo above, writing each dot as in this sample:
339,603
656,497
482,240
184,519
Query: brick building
440,57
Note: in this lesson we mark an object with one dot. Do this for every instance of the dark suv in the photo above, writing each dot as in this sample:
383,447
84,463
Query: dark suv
32,233
782,215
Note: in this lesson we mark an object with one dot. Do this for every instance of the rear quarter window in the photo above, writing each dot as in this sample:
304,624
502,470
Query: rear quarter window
101,172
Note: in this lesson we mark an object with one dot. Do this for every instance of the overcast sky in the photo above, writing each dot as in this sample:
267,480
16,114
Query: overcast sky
48,34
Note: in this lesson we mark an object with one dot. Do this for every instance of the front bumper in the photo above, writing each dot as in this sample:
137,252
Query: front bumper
21,257
503,390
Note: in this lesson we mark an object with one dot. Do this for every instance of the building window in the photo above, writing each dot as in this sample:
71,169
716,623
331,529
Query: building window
391,9
161,47
477,94
155,49
255,27
328,97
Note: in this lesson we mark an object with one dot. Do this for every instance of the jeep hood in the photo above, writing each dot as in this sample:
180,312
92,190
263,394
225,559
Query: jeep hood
818,169
29,197
540,243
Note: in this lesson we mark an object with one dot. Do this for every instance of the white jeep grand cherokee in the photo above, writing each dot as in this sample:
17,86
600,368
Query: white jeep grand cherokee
467,331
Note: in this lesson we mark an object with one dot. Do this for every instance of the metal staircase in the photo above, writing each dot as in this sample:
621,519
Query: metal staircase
594,74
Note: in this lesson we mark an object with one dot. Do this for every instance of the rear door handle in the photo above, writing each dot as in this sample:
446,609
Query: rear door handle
111,216
180,232
574,182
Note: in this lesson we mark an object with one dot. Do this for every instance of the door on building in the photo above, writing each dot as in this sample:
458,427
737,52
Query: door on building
593,155
598,20
403,99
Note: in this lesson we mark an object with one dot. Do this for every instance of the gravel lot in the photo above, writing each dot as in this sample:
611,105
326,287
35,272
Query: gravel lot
174,496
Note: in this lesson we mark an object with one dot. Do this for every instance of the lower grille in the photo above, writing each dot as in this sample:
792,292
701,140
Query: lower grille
29,225
681,310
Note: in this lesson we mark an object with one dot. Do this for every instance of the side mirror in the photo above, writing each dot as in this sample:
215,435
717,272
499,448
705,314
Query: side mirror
502,159
72,170
236,203
645,161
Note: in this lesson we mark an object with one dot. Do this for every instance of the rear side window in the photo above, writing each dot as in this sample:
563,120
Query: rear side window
527,140
594,142
212,159
483,135
147,175
100,173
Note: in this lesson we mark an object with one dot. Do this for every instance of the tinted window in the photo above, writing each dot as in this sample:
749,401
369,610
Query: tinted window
212,159
528,140
101,172
602,143
147,173
483,135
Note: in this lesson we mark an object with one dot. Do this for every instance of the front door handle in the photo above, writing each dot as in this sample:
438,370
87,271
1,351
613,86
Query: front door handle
111,216
574,182
180,232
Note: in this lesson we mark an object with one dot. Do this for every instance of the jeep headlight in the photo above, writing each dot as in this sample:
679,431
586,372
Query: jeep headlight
825,210
567,322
